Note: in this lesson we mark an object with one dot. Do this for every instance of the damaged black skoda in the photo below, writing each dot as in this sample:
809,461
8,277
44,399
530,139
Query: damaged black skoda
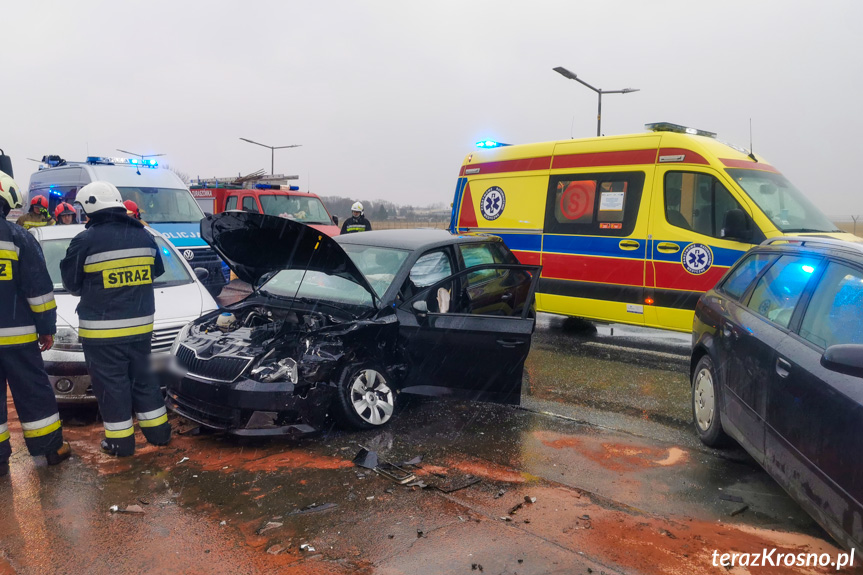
343,327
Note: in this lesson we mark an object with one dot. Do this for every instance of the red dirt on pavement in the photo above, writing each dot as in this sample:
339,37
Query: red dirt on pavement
621,457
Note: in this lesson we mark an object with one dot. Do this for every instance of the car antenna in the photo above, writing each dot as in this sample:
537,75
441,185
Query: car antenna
751,153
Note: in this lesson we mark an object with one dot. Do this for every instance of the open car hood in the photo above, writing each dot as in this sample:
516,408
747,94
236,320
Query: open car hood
256,244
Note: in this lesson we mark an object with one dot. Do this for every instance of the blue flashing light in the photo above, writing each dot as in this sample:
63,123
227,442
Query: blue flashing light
490,144
122,161
294,188
166,251
808,269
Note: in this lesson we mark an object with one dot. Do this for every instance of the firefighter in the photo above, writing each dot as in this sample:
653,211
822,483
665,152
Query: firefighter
111,265
38,215
65,214
28,318
357,222
133,211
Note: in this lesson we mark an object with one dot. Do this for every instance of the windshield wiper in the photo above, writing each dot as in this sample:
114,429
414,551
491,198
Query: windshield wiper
810,231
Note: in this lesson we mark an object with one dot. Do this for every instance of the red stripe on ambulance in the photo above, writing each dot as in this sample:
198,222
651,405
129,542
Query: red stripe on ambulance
674,276
524,165
593,269
625,158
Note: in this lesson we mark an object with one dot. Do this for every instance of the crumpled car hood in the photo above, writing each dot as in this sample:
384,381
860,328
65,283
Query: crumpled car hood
256,244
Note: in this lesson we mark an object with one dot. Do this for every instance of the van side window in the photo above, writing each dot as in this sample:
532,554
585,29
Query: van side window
593,204
250,205
698,202
231,204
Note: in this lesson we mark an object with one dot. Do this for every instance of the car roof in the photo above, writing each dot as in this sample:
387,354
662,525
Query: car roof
815,244
412,239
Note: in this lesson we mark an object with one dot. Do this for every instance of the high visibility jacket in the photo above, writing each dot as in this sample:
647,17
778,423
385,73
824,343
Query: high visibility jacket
111,265
360,224
31,220
27,305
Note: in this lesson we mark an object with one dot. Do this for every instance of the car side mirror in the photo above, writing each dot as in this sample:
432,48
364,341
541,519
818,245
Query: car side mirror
844,358
336,220
202,274
735,226
421,308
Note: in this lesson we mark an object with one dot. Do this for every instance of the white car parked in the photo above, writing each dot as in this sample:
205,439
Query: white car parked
180,298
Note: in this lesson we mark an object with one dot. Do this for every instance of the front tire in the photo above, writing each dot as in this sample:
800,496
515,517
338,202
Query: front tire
705,404
366,400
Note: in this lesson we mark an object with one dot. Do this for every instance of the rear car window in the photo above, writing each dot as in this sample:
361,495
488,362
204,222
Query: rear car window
742,276
779,289
835,313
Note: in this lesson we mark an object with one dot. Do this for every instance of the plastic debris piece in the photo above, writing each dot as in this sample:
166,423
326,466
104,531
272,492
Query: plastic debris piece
223,523
529,499
370,497
275,549
313,508
185,459
307,547
475,567
739,510
269,525
500,494
516,507
366,459
456,486
133,509
114,509
420,533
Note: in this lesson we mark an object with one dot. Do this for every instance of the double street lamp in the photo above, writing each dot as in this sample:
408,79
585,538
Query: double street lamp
272,151
567,74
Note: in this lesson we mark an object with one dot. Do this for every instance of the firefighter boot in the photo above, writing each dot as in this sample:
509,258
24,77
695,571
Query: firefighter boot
59,456
4,469
122,447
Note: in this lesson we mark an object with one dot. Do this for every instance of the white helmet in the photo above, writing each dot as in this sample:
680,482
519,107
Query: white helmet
98,196
10,191
357,207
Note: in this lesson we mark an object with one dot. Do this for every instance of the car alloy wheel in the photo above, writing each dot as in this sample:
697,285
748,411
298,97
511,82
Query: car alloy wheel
704,399
372,399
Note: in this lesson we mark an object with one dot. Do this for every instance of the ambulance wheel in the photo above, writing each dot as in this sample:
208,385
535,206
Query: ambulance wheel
366,398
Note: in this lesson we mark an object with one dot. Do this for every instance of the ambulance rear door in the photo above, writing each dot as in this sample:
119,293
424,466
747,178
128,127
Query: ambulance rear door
689,251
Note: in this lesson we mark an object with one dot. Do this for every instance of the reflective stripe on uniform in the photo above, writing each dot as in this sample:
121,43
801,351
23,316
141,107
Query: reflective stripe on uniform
9,251
120,259
42,303
119,429
16,335
41,427
4,432
152,418
115,327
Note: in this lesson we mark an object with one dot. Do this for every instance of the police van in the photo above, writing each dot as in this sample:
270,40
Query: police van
634,228
164,200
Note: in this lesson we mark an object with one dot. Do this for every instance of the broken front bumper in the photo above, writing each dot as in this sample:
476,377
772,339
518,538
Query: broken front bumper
251,408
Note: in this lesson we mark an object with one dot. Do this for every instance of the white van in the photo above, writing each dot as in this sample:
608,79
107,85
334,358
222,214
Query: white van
164,200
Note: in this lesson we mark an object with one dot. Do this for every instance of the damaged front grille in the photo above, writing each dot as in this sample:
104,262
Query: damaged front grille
218,368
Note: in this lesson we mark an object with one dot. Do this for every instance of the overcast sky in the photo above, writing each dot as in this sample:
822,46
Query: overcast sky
387,98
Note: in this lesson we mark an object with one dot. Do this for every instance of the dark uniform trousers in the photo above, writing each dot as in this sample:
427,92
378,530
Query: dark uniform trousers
121,377
21,366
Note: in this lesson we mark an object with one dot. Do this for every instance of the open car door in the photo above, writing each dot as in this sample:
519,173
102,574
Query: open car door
467,336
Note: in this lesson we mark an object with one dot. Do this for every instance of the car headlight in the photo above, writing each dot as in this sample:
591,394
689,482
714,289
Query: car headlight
180,337
66,339
278,370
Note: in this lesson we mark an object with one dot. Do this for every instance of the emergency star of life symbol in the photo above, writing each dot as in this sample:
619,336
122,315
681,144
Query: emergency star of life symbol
696,258
492,203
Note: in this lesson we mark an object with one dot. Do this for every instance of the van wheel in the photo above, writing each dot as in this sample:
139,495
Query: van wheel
366,398
705,404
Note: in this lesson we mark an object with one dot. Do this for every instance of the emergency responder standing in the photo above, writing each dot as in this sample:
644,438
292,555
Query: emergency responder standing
38,215
111,265
65,214
28,318
133,211
357,222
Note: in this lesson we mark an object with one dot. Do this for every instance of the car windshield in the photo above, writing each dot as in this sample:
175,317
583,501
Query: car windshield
318,287
164,205
379,265
175,271
780,201
305,209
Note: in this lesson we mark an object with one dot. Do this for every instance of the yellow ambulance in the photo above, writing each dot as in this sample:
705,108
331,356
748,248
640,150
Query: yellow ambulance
634,228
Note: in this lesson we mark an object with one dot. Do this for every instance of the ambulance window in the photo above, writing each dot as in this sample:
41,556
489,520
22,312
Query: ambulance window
231,204
595,204
698,202
250,205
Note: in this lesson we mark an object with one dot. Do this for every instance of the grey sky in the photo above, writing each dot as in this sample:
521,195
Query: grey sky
388,97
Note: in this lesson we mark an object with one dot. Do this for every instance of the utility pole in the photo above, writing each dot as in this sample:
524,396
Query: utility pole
599,92
272,151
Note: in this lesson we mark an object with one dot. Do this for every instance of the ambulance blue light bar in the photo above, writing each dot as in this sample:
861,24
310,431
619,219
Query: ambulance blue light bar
669,127
145,163
490,144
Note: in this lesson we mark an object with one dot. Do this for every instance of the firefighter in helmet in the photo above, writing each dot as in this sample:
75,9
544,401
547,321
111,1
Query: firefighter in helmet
111,265
133,211
38,215
65,214
28,318
357,222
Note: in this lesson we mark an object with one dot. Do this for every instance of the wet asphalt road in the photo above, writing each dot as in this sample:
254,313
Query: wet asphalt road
602,442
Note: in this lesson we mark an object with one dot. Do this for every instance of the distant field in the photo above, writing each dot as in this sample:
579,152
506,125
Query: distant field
402,225
849,227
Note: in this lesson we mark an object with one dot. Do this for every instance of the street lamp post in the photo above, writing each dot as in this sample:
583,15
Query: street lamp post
567,74
272,151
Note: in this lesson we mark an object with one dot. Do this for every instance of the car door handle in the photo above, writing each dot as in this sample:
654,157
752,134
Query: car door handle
667,247
510,342
629,245
506,297
783,368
